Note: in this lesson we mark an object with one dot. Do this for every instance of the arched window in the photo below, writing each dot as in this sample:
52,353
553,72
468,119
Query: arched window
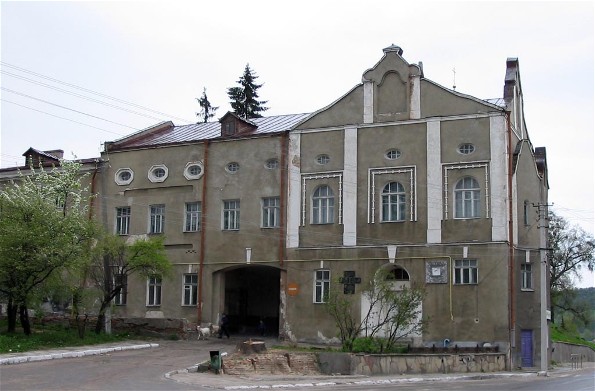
397,274
323,205
393,202
467,198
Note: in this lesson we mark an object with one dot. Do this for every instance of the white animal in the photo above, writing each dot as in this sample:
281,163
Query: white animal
203,332
206,332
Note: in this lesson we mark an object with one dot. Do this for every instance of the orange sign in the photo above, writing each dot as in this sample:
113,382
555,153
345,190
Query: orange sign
292,289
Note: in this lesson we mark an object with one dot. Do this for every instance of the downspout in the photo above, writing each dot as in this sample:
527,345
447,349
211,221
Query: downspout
203,229
511,290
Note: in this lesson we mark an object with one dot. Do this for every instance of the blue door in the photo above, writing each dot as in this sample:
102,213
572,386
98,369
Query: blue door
526,348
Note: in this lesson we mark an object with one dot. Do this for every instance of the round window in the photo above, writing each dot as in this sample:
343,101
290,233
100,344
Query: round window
193,170
233,167
158,173
466,148
392,154
323,159
124,176
272,164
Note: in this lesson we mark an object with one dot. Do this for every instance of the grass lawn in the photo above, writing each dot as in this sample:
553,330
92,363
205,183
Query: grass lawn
559,335
51,337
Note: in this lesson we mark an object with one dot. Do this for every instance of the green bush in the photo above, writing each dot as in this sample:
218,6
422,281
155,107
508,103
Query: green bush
366,345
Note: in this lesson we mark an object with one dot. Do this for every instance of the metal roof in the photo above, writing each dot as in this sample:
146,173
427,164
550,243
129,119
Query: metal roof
210,130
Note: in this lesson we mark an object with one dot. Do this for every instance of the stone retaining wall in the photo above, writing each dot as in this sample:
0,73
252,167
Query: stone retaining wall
390,364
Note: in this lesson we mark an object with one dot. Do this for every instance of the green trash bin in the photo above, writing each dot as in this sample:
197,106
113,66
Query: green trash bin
216,361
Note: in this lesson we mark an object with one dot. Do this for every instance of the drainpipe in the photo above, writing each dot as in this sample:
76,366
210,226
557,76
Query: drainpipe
511,290
203,229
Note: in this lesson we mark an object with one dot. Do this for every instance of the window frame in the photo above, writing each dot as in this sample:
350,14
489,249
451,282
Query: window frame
156,219
190,176
323,206
192,218
468,196
466,148
271,213
230,215
322,285
323,159
118,176
465,272
527,277
154,292
387,204
272,164
121,218
153,177
190,290
232,167
392,154
120,298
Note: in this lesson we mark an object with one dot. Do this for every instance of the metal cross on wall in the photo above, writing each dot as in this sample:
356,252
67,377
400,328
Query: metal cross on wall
349,280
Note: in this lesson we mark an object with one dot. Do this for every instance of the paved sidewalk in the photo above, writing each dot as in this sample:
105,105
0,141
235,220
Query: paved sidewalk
190,376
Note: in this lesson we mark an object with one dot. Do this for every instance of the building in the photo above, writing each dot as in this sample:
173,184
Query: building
261,216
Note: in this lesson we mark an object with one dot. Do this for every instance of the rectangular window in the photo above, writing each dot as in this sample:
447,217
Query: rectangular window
465,271
231,215
190,292
270,212
122,281
526,276
322,285
154,291
123,220
157,223
192,220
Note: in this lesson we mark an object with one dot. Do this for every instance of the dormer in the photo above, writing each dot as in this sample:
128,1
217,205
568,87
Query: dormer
35,158
234,125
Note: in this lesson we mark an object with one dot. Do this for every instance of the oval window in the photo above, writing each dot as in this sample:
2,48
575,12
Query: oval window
392,154
232,167
158,173
124,176
466,148
323,159
193,170
272,164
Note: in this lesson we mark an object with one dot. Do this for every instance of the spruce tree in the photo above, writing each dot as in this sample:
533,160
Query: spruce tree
207,111
244,99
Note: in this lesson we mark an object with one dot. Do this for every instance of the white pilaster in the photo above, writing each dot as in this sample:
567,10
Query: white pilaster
293,191
368,102
415,99
350,187
498,178
434,182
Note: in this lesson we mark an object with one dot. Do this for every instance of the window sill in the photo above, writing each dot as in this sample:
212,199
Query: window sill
527,290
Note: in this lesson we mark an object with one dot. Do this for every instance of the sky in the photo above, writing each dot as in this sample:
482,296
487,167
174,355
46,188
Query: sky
77,74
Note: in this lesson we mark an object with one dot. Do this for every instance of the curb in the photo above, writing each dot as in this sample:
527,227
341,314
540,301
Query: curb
70,354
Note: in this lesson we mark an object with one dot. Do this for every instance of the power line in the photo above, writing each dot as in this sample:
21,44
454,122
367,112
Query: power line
91,91
82,96
66,108
64,118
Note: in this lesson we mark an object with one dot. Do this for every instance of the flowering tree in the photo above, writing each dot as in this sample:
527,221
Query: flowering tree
44,228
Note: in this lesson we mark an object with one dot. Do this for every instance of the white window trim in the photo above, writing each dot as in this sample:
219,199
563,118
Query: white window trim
327,175
522,273
397,153
187,173
381,202
162,220
198,212
184,284
232,171
373,178
223,215
469,267
276,210
160,284
457,166
128,219
156,179
121,182
323,290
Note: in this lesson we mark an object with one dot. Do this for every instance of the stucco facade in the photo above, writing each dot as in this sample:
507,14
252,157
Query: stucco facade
399,172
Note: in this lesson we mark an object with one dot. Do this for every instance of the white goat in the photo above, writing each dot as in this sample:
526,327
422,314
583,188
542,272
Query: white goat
206,332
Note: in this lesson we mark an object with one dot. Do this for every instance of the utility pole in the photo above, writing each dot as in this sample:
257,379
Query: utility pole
542,210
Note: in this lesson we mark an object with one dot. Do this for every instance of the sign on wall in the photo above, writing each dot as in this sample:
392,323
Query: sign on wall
437,272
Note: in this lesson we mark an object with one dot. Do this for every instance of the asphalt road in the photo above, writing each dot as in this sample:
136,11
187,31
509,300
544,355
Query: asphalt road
127,370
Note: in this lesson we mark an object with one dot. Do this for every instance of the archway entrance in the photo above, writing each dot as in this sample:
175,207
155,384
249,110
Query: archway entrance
252,295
